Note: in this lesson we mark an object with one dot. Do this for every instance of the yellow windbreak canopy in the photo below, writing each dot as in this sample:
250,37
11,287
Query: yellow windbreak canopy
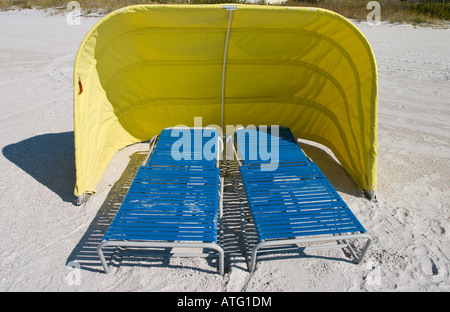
144,68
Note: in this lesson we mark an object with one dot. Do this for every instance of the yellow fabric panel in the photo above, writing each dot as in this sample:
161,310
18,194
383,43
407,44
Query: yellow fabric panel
147,67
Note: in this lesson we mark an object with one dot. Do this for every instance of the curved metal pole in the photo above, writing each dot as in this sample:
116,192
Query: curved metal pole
230,8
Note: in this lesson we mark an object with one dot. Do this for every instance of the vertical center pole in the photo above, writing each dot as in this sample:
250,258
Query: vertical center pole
230,8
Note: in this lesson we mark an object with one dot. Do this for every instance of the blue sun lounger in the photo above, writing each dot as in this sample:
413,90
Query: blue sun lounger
292,202
172,203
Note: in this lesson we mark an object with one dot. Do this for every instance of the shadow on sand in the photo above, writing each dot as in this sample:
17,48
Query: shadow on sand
332,169
48,158
85,252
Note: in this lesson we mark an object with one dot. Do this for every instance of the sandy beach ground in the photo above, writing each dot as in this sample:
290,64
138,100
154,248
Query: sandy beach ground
48,244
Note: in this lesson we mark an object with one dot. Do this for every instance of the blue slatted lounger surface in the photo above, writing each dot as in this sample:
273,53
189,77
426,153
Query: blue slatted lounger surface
169,204
166,204
295,203
253,143
189,148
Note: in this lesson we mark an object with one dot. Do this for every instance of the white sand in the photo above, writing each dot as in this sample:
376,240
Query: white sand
42,234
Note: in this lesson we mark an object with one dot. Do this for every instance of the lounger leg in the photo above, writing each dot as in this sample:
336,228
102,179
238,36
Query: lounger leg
364,250
213,246
358,260
102,256
366,247
221,261
220,253
254,255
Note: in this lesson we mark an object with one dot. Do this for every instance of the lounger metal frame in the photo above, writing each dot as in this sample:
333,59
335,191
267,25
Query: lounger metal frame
173,244
312,242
